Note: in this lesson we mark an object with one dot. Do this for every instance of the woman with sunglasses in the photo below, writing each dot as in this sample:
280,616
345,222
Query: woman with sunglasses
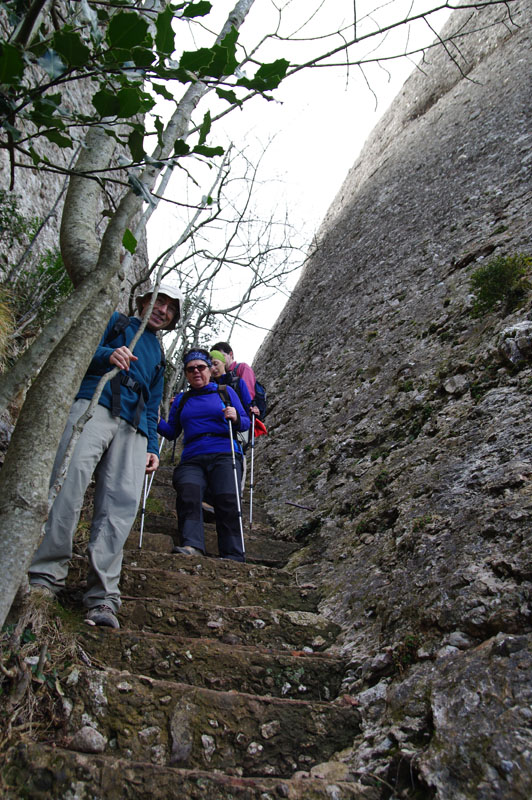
206,461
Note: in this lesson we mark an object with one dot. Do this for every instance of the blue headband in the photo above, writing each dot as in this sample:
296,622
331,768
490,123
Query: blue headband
197,355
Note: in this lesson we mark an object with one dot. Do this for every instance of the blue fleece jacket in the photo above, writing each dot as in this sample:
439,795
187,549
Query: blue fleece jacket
145,371
205,429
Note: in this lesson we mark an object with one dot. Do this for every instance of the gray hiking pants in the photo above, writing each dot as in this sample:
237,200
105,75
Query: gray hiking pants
111,449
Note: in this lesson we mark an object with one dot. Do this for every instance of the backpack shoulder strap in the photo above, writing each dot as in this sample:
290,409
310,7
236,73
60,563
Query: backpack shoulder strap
224,394
186,396
119,326
161,366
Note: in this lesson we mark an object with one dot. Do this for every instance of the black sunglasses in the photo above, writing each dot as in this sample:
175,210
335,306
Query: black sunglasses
199,367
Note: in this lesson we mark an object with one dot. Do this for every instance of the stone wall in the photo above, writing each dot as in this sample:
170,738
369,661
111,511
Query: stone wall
40,193
401,429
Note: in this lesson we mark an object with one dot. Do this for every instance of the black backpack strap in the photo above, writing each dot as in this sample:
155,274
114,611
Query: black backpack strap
119,327
115,395
226,400
224,394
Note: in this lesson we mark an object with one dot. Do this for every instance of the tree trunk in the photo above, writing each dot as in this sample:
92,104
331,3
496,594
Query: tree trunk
69,343
26,472
80,246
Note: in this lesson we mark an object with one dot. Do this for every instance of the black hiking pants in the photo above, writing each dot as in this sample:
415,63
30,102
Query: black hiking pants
213,472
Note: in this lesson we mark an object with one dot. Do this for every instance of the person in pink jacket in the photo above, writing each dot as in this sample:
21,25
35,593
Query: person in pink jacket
242,370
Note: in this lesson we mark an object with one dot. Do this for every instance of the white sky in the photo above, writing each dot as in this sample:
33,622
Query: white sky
319,123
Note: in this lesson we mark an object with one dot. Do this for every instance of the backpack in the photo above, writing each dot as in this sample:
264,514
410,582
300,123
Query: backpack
260,399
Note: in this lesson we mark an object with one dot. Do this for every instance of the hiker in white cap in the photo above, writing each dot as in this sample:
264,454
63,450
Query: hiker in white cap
119,446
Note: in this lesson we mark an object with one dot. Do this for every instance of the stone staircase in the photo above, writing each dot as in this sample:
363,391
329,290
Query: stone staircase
219,684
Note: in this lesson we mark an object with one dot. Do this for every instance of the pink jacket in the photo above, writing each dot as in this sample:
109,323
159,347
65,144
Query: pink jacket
245,372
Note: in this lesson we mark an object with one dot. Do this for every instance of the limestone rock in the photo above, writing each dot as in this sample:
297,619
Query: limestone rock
88,740
406,443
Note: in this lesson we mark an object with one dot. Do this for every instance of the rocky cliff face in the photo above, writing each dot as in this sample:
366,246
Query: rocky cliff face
401,425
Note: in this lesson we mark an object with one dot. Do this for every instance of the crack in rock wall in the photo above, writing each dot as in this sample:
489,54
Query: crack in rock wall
400,424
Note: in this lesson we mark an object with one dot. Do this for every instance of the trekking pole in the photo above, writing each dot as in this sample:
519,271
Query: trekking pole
251,472
147,488
237,488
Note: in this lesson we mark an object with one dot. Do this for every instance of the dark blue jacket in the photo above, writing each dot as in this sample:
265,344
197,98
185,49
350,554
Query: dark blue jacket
240,388
205,429
146,371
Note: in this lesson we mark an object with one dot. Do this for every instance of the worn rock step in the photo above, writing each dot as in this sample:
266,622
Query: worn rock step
198,587
215,665
45,773
137,582
147,559
175,724
161,498
250,625
264,549
153,542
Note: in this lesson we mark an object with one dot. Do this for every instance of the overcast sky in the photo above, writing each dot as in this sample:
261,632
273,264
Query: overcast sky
317,125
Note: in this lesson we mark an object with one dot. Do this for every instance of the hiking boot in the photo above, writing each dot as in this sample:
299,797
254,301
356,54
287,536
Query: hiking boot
102,615
187,550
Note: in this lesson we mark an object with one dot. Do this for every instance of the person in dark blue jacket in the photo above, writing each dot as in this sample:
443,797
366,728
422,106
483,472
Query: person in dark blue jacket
206,461
119,445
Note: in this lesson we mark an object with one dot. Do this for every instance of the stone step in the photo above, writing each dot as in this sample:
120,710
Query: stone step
147,559
174,724
249,625
41,772
214,665
168,584
231,588
153,542
259,549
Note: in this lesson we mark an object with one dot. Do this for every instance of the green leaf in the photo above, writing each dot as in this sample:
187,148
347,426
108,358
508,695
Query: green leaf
229,45
229,96
205,128
11,65
163,91
117,56
106,103
200,9
15,133
197,60
52,64
136,145
181,148
130,102
202,150
128,29
57,138
71,47
164,38
129,241
217,67
142,56
43,113
268,76
171,71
